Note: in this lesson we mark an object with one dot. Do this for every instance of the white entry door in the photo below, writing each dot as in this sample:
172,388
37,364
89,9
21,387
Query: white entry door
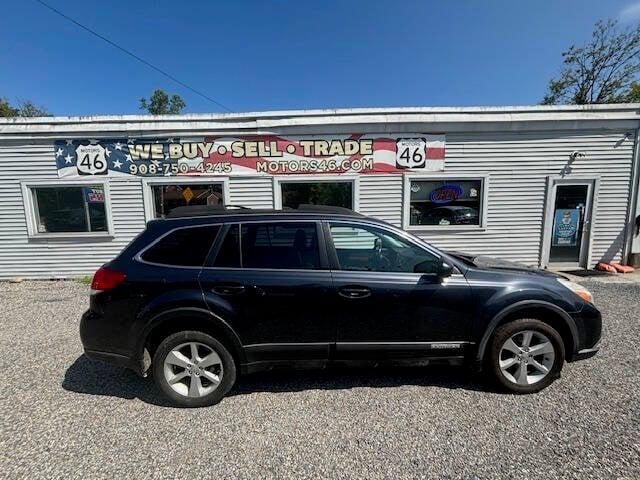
569,211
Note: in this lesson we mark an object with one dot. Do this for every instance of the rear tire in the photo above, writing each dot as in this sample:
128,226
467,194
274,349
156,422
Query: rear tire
193,369
526,355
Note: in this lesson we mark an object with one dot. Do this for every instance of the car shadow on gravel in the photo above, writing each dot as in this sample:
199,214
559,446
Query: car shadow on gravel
343,378
96,378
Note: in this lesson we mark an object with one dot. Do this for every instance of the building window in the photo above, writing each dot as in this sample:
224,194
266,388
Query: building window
332,193
445,202
170,196
69,209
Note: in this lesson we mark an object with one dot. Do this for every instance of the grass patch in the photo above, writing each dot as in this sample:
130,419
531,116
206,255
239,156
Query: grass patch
86,280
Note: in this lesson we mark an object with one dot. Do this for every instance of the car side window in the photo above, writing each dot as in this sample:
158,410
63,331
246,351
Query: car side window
364,248
280,245
185,247
228,255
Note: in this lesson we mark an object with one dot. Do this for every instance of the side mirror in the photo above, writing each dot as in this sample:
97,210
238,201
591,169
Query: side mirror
439,268
445,269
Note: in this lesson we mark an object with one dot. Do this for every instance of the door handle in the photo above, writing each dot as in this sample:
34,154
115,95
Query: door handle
354,292
228,289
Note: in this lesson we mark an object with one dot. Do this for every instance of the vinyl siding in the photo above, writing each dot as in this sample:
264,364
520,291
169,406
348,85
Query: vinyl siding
22,257
252,192
517,165
381,197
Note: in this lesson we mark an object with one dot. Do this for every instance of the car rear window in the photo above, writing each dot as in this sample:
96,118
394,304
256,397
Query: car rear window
186,247
228,255
287,245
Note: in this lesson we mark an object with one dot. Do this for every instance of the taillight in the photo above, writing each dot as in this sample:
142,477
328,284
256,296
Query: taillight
106,279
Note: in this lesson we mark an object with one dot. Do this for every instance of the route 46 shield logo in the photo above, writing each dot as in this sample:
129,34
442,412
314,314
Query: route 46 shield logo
91,160
411,152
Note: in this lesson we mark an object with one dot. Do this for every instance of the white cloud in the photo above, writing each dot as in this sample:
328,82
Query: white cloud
630,13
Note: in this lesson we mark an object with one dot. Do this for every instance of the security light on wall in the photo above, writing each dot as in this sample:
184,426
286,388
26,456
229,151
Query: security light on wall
576,154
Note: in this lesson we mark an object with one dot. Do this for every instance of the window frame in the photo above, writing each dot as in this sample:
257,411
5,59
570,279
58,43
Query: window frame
406,200
149,182
333,255
138,256
278,180
30,207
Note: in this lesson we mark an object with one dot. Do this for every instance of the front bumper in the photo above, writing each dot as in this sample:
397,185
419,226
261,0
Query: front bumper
589,325
586,353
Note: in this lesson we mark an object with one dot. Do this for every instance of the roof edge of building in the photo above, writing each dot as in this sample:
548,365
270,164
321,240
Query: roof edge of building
256,115
440,118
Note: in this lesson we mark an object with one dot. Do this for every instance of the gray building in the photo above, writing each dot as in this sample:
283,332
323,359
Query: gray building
550,186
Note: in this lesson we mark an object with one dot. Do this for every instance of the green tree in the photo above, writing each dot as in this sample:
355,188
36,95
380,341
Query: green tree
29,109
24,108
6,110
160,103
633,95
605,70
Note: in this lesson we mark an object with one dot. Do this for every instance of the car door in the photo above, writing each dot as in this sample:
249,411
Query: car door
271,281
392,299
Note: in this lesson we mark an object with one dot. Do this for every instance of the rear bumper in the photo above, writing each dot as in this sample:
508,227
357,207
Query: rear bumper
91,335
112,359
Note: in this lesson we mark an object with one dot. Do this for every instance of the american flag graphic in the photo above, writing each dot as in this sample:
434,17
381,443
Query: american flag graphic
113,153
252,155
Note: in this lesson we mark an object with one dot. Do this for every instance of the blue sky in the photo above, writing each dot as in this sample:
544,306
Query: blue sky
272,55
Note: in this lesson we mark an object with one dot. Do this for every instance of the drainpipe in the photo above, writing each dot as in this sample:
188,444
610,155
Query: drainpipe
633,201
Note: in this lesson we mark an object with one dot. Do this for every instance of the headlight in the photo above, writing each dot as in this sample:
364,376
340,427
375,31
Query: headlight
578,289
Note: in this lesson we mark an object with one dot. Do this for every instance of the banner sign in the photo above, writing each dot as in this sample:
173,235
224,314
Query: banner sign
565,227
251,155
93,195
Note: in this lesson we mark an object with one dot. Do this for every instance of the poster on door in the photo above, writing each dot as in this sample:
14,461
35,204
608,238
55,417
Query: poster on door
565,227
251,155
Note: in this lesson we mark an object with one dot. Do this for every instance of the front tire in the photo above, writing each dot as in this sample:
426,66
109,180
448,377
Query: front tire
526,355
193,369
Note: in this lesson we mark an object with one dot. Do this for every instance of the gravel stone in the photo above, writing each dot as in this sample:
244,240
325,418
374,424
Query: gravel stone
63,416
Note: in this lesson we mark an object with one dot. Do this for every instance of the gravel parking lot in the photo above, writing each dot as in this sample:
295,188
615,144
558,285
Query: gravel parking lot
65,417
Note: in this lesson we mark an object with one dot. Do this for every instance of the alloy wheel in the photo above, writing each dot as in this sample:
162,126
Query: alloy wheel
526,357
193,369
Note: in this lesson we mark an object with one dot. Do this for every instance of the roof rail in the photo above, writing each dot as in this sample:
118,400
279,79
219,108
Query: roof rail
198,210
205,210
308,207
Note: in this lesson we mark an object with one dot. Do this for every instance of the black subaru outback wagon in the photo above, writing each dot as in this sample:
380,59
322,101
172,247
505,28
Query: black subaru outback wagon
207,293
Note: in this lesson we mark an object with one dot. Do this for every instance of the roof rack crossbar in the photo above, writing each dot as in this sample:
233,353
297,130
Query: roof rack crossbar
205,210
309,207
